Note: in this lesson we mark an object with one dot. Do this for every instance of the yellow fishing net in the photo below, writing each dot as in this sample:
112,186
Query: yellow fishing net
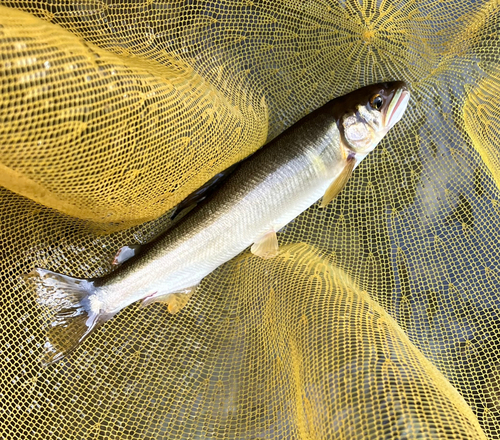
381,316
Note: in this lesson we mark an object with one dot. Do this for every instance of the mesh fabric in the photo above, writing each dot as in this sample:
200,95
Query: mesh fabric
379,319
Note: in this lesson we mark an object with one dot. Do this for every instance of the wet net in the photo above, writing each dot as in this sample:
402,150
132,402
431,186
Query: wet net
380,318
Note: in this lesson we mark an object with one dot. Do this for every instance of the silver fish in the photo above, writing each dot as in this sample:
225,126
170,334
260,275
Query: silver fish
314,158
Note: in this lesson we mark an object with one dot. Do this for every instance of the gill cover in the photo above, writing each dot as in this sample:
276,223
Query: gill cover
370,112
363,118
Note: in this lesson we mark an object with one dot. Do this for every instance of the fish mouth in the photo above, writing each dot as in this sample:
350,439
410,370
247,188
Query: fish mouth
397,107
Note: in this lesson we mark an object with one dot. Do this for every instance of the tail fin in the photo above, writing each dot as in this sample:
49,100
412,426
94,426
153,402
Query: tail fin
72,317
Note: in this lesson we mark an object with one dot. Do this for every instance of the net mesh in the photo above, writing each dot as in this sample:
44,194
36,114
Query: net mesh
380,317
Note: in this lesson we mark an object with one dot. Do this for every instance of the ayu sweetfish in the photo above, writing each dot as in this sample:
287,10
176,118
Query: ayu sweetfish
312,159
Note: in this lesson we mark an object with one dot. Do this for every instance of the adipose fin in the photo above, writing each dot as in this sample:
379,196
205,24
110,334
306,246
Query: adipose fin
125,253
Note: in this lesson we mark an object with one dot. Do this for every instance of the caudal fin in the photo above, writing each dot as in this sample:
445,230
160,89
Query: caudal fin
71,317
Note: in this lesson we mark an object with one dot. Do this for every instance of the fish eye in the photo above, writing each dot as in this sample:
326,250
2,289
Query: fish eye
376,102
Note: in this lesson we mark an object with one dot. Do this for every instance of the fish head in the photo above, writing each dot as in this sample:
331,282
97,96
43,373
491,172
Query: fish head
367,114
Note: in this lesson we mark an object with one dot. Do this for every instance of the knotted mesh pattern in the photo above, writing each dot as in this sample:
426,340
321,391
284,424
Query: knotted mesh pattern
379,319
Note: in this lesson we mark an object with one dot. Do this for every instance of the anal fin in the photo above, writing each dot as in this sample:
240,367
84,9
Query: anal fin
340,181
175,301
267,246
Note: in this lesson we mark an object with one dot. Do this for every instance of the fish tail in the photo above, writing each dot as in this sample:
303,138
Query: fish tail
73,311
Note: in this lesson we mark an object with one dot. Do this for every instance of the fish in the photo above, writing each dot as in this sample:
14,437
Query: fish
312,159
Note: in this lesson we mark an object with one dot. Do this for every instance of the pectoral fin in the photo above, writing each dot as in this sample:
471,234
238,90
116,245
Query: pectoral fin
338,184
175,301
266,247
